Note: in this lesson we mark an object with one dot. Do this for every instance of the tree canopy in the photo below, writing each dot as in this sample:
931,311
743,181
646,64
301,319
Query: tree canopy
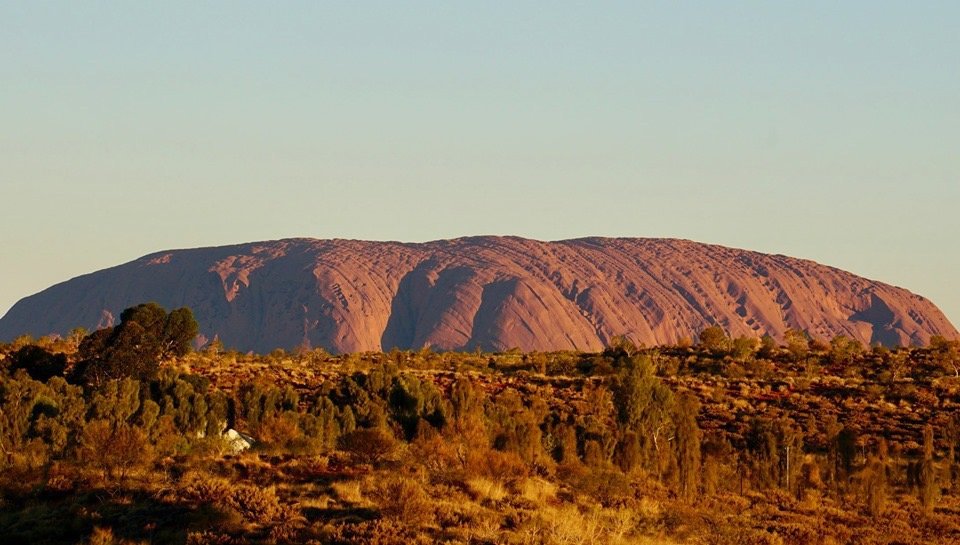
145,336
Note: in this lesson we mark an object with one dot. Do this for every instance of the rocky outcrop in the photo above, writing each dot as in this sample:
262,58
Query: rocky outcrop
492,292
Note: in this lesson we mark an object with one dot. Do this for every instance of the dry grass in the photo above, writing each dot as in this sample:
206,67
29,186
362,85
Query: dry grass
104,536
569,524
486,490
539,491
349,492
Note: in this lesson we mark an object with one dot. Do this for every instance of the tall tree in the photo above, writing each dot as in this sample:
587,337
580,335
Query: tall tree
687,444
929,489
874,481
145,336
644,406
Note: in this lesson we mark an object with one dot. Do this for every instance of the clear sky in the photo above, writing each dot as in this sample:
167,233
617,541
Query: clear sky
823,130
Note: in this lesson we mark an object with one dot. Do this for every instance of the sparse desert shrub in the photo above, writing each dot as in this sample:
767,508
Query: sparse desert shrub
506,466
259,505
453,512
256,504
737,534
102,536
60,479
115,449
377,532
280,430
487,528
209,537
369,446
286,528
402,498
105,536
568,526
202,488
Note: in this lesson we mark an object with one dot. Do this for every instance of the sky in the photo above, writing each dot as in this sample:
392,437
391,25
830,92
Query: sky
821,130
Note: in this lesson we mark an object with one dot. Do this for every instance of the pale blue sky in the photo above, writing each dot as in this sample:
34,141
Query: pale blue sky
823,130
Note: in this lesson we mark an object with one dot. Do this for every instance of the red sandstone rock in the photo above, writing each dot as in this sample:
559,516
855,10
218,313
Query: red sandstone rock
495,292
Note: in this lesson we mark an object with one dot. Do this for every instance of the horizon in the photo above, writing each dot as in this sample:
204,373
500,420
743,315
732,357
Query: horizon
817,131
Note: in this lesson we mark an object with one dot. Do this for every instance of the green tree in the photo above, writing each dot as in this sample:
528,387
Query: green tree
644,405
714,339
134,348
768,347
929,488
179,331
843,350
843,451
776,452
874,480
39,363
797,342
687,443
743,348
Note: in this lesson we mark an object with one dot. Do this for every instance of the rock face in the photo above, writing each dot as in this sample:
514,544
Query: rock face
492,292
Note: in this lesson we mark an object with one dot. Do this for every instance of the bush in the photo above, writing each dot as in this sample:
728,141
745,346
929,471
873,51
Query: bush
403,499
255,504
115,449
104,536
369,446
203,489
378,532
259,505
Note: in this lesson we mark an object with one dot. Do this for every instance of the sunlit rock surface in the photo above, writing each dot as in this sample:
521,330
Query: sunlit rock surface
494,293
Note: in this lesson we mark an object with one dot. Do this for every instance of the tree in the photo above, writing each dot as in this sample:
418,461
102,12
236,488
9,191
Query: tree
115,449
844,349
768,347
798,343
743,348
145,336
179,330
874,481
75,337
947,354
38,363
687,441
843,451
776,451
620,346
643,405
929,489
714,339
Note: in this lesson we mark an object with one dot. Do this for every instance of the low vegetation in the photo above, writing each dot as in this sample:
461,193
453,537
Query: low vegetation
118,437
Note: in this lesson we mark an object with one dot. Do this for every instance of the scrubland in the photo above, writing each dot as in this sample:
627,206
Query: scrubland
721,441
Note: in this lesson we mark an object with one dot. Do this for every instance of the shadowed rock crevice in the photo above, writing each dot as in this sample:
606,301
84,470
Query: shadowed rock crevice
881,320
430,302
487,333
